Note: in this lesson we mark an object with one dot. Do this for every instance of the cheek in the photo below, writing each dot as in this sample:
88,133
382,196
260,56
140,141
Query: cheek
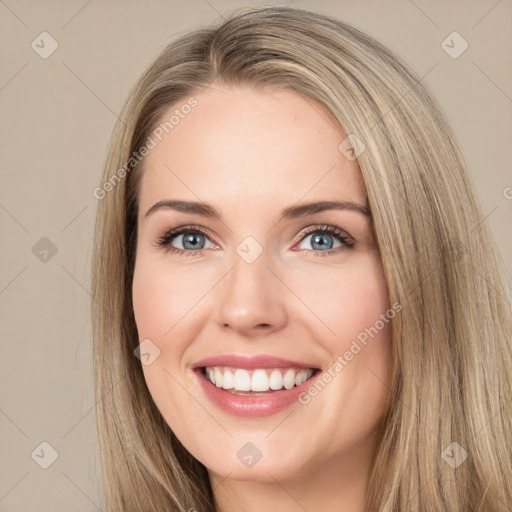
159,302
355,311
362,300
162,301
162,297
345,299
169,312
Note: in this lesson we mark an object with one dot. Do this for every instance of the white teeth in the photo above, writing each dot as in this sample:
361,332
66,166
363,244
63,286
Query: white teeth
261,380
302,376
218,378
306,374
228,380
242,380
276,380
289,379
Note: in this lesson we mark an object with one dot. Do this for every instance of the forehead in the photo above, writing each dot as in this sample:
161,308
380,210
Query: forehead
242,145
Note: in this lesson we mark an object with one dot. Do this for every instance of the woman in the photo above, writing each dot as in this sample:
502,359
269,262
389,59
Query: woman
297,302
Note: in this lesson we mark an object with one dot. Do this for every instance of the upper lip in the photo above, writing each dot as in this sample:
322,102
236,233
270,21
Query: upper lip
250,362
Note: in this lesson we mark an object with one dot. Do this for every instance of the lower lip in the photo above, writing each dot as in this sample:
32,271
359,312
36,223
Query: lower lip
256,406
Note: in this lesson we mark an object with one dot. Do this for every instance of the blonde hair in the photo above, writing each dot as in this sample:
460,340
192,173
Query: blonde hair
452,340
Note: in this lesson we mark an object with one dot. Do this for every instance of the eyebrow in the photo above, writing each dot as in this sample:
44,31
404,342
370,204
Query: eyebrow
291,212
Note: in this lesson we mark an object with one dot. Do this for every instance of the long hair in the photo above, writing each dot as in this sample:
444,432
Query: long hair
452,357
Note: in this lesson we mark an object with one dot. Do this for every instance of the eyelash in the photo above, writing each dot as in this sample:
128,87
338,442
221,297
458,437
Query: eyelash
165,240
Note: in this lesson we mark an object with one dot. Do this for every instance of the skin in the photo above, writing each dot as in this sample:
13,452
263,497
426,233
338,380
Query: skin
251,153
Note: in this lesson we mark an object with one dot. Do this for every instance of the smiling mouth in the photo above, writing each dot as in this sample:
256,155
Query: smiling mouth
258,381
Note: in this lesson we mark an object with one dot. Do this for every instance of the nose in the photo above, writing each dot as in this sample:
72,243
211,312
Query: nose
251,299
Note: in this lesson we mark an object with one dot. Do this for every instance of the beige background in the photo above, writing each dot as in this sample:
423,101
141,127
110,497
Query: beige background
57,116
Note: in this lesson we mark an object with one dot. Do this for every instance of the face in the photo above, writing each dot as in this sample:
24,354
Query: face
265,292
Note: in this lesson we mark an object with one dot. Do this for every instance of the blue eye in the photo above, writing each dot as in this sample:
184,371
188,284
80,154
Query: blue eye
193,240
321,237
